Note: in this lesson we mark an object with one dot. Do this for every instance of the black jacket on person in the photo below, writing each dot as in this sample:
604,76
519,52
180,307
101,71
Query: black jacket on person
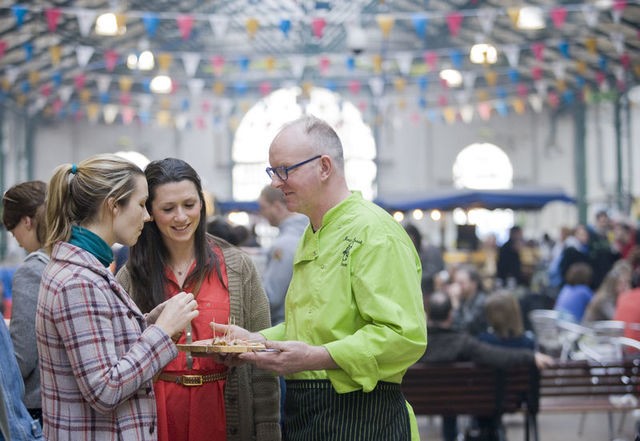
448,345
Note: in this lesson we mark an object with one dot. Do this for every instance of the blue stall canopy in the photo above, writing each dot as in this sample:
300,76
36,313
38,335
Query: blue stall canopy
229,206
449,199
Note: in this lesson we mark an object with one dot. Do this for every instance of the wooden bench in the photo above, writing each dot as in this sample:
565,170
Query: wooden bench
467,389
574,386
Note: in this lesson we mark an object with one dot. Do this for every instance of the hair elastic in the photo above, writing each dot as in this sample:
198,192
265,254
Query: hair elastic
74,169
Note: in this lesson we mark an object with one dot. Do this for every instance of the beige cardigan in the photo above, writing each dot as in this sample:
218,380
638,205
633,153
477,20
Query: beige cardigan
251,395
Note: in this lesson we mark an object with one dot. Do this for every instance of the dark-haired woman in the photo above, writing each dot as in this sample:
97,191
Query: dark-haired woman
197,398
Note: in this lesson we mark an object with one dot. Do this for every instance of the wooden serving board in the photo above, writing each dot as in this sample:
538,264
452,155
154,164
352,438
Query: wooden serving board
207,346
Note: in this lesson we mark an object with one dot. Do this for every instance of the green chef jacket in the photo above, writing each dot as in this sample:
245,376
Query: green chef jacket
356,291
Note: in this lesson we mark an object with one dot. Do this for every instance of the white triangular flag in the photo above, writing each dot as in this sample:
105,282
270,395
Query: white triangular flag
83,54
297,63
181,121
469,79
487,16
466,113
145,102
85,20
617,38
462,96
219,25
618,72
541,87
226,106
376,84
64,92
195,85
536,102
37,106
191,60
103,82
110,112
405,61
512,52
12,73
590,15
559,70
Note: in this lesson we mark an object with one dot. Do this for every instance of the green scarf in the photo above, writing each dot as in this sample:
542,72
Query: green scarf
91,242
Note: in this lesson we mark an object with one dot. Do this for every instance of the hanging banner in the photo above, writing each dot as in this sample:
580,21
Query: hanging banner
558,16
191,61
297,65
469,79
512,52
195,86
125,84
454,22
217,64
419,22
285,27
55,52
150,22
219,24
128,113
109,113
110,60
404,61
85,19
590,14
185,24
103,82
19,12
385,23
52,16
486,18
251,26
84,54
317,26
376,84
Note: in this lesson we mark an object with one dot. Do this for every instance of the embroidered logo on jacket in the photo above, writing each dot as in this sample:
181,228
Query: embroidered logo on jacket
347,250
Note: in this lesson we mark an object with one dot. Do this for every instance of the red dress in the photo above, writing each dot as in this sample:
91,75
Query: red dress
196,413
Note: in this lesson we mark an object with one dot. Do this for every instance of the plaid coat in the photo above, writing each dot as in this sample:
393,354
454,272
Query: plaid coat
97,357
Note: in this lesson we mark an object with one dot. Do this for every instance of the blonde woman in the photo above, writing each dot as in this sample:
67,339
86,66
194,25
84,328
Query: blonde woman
98,352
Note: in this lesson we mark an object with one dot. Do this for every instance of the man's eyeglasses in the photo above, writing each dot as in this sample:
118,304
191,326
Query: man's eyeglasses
282,172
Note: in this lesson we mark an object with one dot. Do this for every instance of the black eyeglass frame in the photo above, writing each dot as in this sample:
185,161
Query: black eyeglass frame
282,172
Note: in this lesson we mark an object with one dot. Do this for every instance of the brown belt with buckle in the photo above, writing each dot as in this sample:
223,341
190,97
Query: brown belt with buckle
192,380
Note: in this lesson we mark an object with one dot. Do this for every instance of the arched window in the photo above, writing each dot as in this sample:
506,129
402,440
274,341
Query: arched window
250,151
484,166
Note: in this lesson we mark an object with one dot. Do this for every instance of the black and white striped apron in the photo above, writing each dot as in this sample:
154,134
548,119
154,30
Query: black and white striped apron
314,411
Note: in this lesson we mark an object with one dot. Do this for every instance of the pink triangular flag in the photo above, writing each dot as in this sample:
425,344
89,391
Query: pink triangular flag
431,59
558,16
128,113
3,48
454,21
354,87
185,24
317,26
52,15
110,59
538,50
265,88
217,64
536,73
79,81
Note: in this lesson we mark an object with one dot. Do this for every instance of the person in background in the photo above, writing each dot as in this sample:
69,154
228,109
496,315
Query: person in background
97,352
603,304
279,267
16,423
197,398
23,216
447,344
504,322
576,294
468,297
354,321
430,256
509,265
